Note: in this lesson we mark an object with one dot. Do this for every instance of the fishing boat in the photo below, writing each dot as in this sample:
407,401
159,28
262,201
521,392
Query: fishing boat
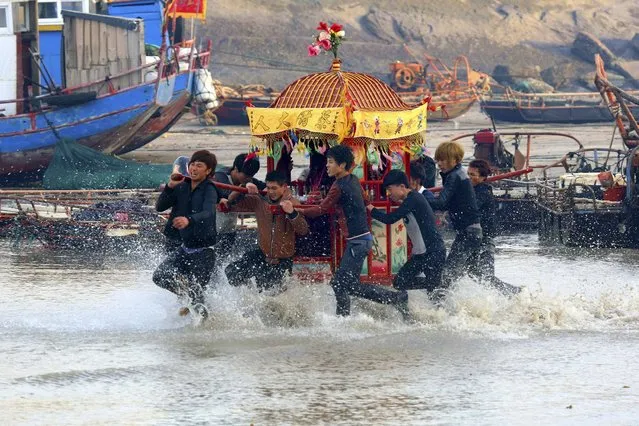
589,205
596,202
507,152
452,90
102,114
233,103
193,82
542,108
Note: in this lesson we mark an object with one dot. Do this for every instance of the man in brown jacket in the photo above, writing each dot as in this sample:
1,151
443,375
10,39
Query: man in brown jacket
276,234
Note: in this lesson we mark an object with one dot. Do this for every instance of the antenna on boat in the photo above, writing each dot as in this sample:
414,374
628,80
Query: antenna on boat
492,120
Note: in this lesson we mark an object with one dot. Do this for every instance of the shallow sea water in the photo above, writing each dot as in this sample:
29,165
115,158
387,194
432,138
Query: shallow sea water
88,339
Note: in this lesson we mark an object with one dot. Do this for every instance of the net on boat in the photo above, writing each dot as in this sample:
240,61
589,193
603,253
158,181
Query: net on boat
75,166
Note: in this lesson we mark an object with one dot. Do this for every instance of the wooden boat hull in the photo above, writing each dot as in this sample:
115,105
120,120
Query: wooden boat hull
105,124
164,117
451,110
232,111
511,112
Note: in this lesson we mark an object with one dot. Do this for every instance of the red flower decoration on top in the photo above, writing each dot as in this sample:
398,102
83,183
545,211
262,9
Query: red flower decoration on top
400,227
329,39
323,26
324,44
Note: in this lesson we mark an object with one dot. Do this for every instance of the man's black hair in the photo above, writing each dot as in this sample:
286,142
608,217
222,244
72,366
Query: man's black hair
395,177
249,167
205,157
341,154
417,172
276,176
482,166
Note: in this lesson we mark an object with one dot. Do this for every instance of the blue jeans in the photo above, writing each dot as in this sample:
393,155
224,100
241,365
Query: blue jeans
346,282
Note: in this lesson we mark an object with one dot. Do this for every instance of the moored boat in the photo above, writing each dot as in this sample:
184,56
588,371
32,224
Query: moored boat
102,113
561,108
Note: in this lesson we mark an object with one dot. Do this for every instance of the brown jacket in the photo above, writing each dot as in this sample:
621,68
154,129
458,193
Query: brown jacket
276,232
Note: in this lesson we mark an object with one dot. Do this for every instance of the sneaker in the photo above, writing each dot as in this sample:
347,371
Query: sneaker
505,288
401,304
201,310
438,296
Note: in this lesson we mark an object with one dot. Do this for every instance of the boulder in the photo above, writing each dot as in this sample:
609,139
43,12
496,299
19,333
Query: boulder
379,24
587,45
630,70
559,76
508,74
588,79
532,85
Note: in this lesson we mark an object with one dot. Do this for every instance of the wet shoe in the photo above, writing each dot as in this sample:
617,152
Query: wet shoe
438,296
505,288
401,304
201,310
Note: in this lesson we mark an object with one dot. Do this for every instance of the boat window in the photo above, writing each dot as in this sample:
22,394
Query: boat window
72,5
50,11
21,17
47,10
3,17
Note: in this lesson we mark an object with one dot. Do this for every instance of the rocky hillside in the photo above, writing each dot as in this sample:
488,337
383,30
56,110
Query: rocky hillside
265,42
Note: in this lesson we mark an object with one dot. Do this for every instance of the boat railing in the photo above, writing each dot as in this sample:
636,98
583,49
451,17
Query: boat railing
529,142
203,57
581,153
553,198
522,99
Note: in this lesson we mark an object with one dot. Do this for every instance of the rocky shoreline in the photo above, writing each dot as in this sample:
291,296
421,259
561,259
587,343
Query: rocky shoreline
543,40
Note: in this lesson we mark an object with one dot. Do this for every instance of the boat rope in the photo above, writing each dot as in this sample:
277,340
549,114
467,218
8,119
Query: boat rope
612,138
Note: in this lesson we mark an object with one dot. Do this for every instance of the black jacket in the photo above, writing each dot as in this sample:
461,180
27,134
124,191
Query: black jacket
486,206
420,223
458,197
198,206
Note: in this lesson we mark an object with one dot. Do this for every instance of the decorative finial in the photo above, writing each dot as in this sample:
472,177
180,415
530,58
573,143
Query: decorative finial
336,65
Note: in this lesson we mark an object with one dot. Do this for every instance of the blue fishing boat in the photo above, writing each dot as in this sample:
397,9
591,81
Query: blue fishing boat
97,114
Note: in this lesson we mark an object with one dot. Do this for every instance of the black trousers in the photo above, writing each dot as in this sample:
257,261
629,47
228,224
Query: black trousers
346,281
482,267
253,264
186,274
430,264
460,256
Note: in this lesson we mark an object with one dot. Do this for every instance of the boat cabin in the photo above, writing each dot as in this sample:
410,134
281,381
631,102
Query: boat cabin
18,35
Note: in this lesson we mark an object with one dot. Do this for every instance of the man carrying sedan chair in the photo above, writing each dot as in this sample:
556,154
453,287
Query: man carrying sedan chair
428,251
276,233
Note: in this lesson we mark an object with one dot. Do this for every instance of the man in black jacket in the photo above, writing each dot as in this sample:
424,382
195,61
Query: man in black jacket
192,202
458,198
428,251
482,264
